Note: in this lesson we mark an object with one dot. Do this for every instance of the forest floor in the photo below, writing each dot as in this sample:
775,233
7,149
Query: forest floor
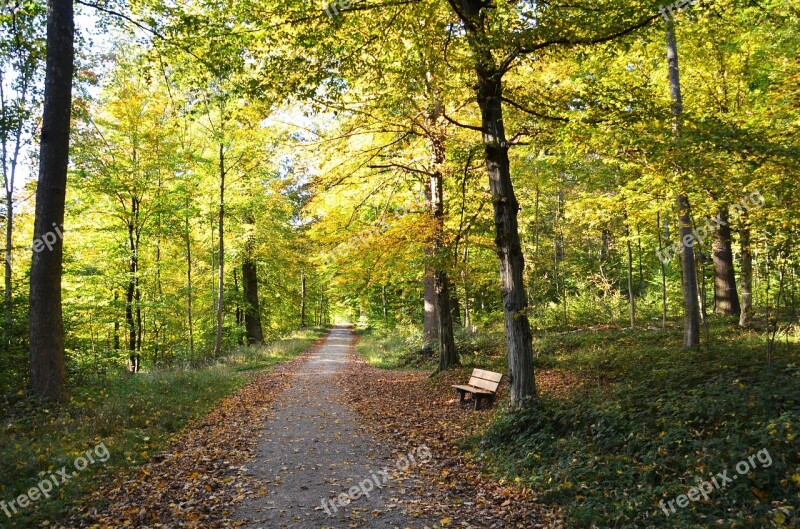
322,441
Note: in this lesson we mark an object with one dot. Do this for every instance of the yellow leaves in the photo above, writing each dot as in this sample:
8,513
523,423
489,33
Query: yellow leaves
445,522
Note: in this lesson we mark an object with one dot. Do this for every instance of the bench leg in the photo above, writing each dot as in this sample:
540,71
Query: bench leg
463,394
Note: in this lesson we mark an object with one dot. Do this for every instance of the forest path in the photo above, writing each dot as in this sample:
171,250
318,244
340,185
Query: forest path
314,449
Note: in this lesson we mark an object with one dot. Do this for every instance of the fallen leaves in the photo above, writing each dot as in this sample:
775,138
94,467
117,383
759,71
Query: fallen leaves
195,482
409,408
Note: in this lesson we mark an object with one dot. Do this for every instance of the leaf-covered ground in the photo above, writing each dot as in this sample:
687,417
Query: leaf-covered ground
197,480
269,455
408,408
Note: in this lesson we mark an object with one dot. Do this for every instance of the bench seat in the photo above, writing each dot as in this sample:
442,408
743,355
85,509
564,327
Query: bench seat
482,385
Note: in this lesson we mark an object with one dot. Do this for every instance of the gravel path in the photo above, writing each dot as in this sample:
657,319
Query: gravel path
313,453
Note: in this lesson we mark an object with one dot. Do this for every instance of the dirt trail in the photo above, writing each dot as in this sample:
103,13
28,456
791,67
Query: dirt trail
313,450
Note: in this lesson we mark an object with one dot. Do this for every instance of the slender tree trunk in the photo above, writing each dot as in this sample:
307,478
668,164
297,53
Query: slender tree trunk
10,178
691,318
239,312
448,356
465,279
532,296
115,344
46,324
747,274
252,315
455,305
631,297
132,312
489,93
189,317
663,274
8,254
221,236
302,298
726,299
383,302
430,324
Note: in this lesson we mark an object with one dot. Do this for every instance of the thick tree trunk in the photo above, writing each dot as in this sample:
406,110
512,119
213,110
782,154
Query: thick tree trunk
221,235
489,92
691,310
726,299
747,274
46,326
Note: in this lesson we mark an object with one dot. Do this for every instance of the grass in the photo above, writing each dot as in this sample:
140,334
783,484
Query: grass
393,349
133,416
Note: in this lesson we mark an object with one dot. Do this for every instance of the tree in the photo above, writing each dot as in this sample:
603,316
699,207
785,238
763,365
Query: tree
21,53
691,310
46,324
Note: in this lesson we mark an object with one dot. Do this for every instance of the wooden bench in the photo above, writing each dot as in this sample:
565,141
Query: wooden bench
482,385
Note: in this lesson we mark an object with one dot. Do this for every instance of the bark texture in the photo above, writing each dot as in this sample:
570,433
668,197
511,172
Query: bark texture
46,324
489,93
726,299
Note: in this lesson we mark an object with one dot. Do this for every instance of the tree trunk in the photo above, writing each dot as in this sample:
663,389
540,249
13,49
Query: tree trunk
239,312
430,324
448,356
189,318
663,274
489,92
631,297
130,294
747,274
115,339
302,298
252,315
46,325
465,281
691,311
726,299
221,235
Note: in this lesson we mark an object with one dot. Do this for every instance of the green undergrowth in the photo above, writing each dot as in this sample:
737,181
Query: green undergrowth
650,421
133,416
654,421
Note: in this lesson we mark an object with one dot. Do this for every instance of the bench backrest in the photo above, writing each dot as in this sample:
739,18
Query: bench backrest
487,380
